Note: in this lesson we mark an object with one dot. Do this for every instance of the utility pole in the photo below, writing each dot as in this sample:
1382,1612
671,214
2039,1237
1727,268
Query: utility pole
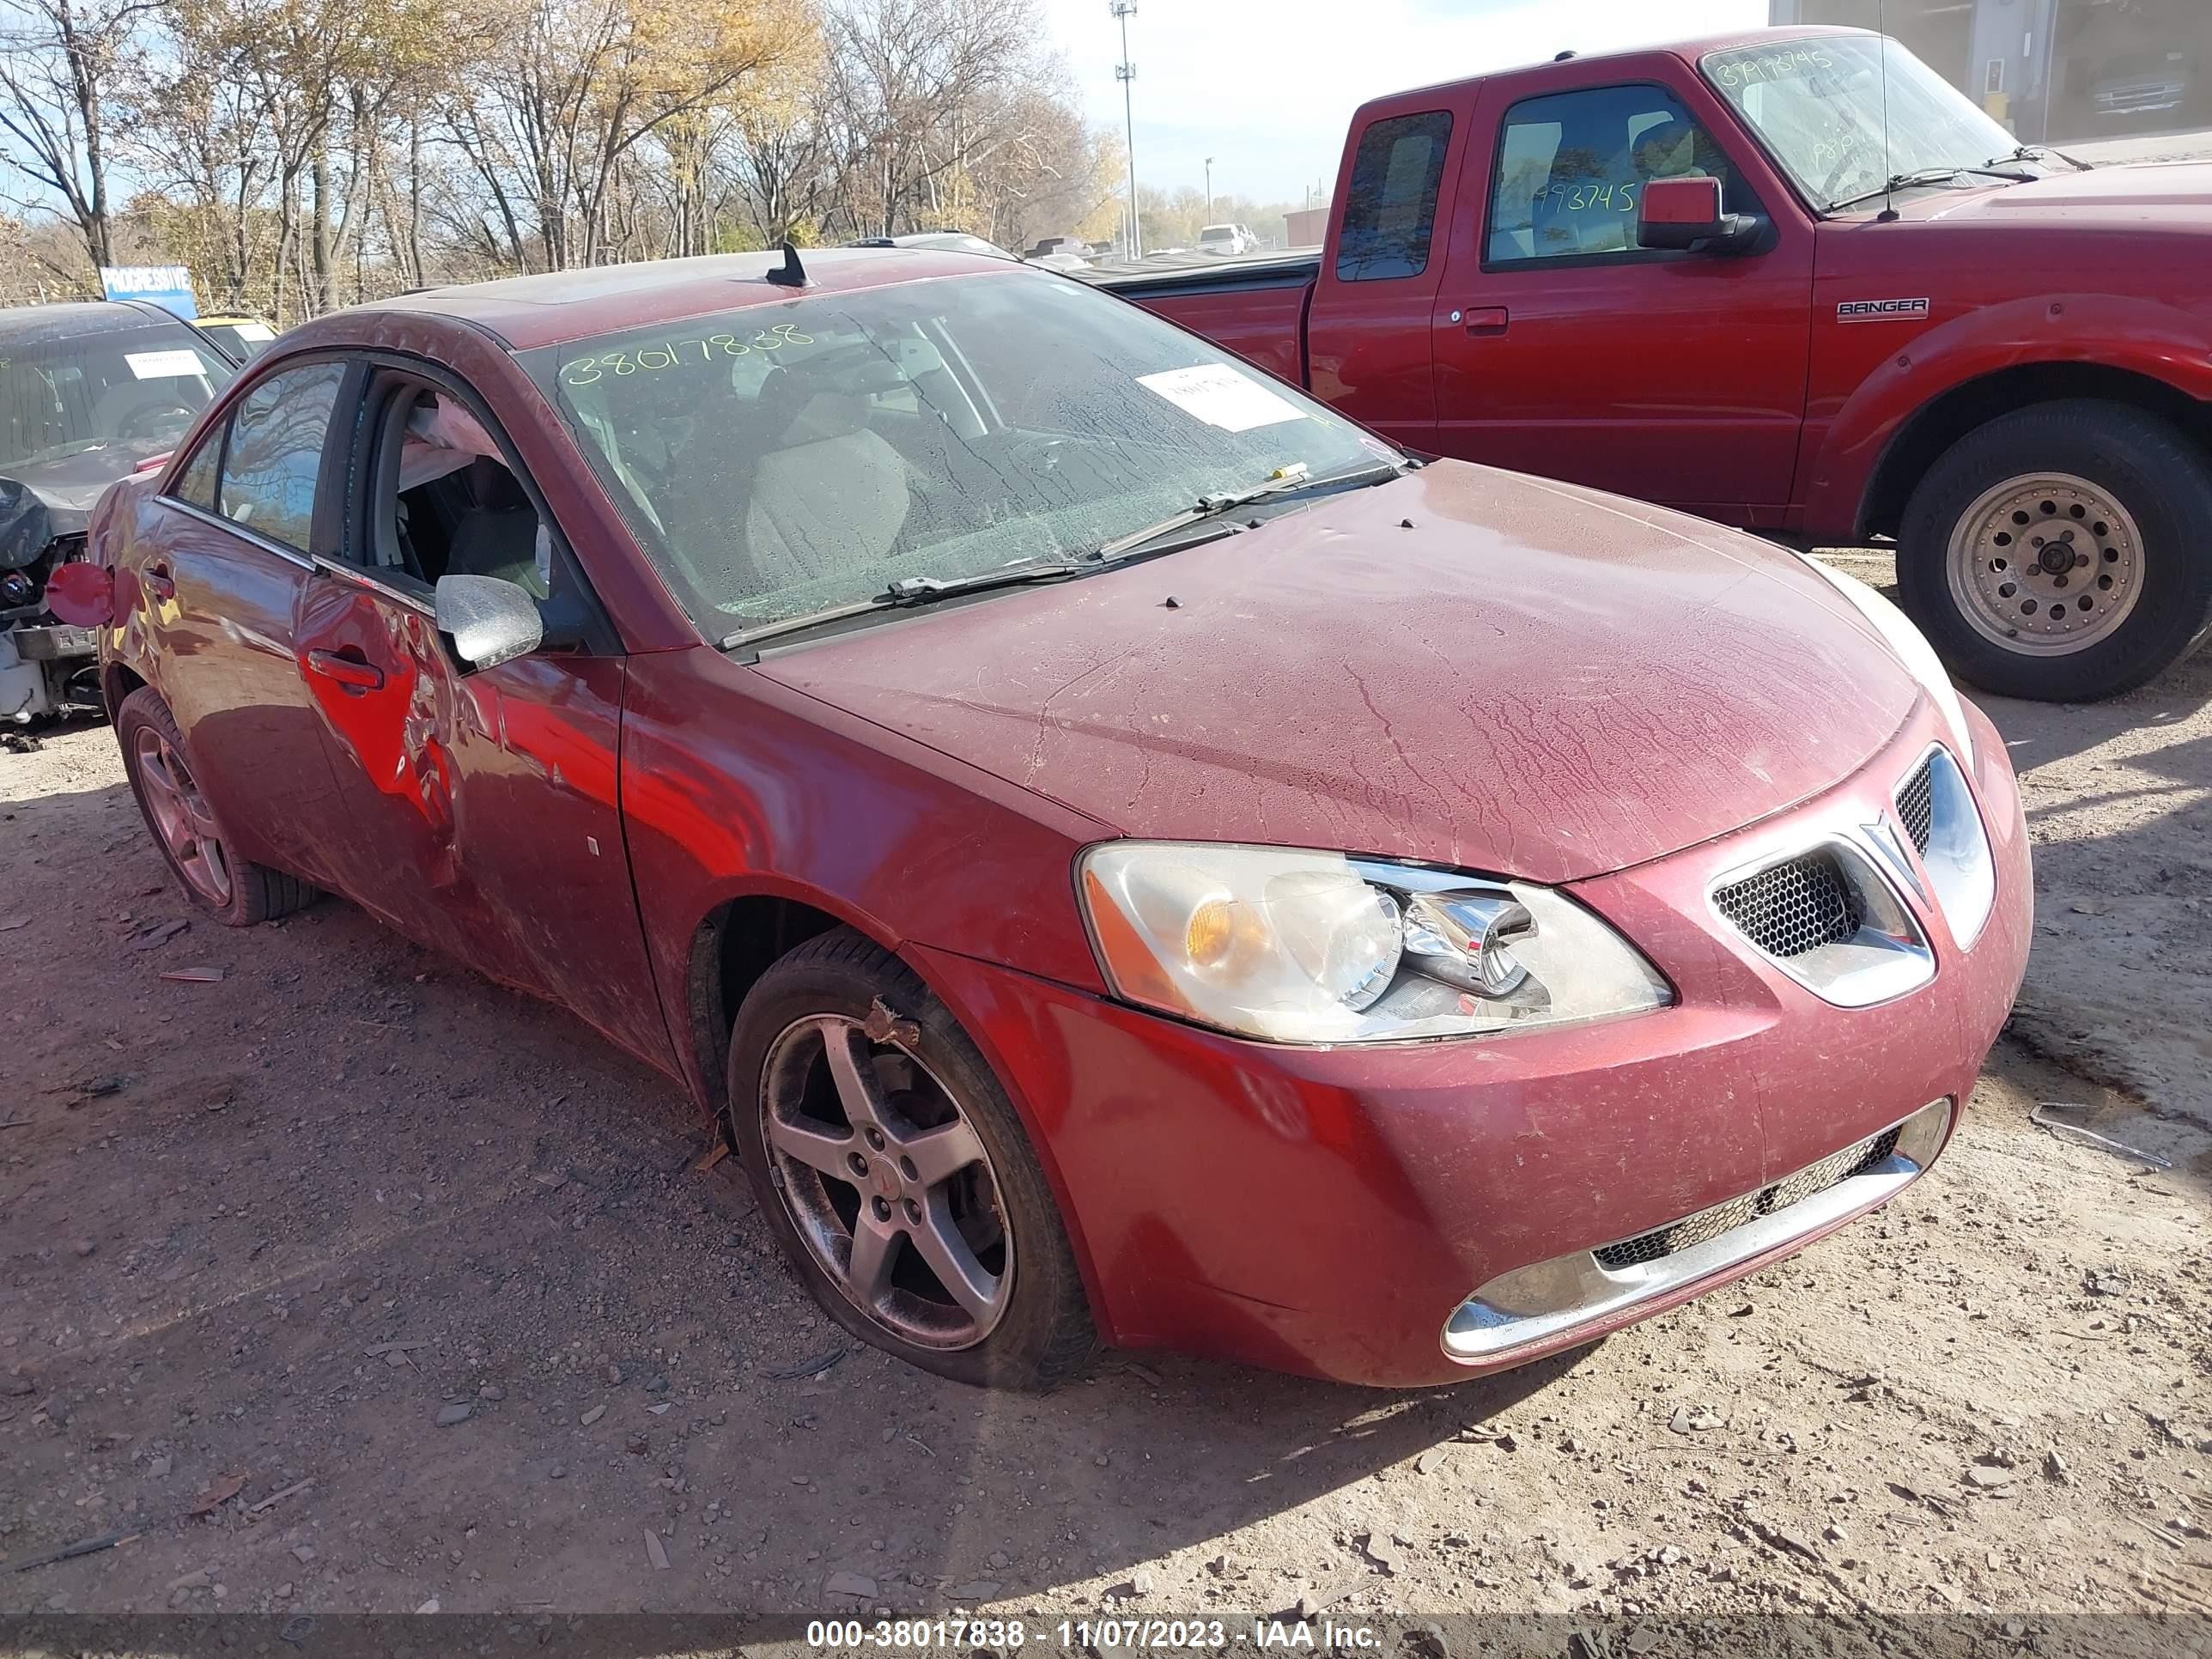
1125,71
1209,186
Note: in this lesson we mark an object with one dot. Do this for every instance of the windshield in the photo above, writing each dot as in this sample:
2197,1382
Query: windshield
785,460
1816,104
132,389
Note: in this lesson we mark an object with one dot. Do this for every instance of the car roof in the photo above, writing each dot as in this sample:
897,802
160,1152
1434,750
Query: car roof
553,306
22,325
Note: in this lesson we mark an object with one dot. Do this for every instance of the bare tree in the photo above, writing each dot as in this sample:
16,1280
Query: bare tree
60,60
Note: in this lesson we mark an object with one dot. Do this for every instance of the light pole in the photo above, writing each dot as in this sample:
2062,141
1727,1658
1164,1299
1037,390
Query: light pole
1125,71
1209,186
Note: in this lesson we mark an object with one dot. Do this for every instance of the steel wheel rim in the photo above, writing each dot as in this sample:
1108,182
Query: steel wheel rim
180,817
2046,564
887,1182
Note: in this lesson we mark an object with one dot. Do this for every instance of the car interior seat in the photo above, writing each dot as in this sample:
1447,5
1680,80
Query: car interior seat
497,534
831,493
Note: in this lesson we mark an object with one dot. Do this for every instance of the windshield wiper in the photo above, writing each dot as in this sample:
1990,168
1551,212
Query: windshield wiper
1931,176
912,591
1290,480
908,591
2037,152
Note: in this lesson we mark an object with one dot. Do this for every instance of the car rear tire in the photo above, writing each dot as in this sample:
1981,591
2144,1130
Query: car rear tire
895,1174
2064,552
184,824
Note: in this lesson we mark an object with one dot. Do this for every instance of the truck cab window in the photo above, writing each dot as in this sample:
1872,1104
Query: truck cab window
1572,168
1390,210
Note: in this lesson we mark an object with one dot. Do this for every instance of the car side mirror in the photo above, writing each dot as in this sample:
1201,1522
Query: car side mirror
1684,214
490,620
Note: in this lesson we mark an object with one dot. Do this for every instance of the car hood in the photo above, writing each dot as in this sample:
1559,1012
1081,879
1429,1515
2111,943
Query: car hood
1465,666
2154,195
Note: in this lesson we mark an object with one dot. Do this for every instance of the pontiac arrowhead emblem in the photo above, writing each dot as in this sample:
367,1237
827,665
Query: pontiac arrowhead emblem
1881,835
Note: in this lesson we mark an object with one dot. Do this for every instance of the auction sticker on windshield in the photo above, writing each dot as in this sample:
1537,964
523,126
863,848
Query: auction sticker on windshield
163,365
1219,396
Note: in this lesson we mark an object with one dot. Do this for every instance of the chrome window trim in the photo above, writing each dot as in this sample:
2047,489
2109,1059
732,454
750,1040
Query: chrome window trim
362,578
1897,964
1546,1301
250,537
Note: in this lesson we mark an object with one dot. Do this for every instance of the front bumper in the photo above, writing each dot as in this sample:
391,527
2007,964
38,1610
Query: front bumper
1337,1212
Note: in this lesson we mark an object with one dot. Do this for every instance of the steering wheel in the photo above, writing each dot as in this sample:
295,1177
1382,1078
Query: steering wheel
134,425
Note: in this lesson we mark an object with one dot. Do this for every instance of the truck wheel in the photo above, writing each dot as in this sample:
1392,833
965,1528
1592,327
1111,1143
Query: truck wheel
895,1174
233,889
2062,553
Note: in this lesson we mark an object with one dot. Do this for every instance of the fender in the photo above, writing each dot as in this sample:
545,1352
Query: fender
111,540
2105,330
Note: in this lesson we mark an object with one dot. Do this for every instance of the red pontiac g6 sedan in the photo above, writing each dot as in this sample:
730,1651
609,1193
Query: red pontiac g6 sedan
1119,850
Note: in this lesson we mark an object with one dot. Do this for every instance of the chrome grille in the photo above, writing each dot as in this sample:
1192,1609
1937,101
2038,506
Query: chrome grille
1707,1225
1916,804
1793,907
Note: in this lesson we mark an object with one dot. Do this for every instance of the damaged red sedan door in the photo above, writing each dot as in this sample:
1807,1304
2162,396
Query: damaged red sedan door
478,804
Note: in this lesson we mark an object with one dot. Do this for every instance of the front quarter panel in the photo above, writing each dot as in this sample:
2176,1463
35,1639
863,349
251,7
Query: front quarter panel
734,786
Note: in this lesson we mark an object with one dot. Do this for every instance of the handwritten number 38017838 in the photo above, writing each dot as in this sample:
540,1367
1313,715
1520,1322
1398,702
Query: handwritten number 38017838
663,355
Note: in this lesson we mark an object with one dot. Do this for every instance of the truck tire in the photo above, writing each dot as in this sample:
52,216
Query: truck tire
185,827
862,1111
2062,553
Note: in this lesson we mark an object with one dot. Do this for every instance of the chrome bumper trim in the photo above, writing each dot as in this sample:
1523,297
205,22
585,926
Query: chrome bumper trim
1540,1303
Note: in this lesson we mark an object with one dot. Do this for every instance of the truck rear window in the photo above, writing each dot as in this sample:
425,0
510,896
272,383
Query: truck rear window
1390,210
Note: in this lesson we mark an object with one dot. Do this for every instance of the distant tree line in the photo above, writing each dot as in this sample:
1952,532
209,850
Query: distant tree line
300,154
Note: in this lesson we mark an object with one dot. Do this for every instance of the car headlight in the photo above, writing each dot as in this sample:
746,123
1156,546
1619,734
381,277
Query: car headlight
1911,647
1296,946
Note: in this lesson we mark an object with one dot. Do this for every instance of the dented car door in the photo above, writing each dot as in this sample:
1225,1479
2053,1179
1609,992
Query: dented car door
480,812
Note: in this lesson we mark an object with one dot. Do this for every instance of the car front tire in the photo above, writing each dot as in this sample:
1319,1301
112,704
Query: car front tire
896,1175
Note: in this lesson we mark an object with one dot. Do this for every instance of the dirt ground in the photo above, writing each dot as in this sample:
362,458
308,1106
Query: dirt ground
263,1239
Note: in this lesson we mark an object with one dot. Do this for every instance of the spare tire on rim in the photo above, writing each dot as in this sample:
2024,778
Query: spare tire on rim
2064,552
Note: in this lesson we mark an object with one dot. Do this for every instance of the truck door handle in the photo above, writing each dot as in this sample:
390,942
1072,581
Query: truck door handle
1486,319
157,581
351,673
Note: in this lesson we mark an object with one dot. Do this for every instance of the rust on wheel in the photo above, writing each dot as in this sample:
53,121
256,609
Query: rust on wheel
180,817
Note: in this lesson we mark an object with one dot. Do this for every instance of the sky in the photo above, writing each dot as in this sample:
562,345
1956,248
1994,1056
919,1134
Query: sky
1267,87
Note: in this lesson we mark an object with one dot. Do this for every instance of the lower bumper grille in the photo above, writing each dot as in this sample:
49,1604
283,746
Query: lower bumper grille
1547,1303
1707,1225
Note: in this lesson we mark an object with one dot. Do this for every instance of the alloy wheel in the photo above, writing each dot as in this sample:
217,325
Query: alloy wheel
2046,564
887,1182
181,817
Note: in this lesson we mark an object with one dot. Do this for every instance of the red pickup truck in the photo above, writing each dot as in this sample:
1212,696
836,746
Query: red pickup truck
1717,275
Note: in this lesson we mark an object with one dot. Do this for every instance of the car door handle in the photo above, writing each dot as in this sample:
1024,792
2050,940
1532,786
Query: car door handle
1486,319
353,675
157,581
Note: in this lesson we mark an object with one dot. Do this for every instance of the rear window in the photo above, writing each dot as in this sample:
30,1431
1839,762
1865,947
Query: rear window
1390,210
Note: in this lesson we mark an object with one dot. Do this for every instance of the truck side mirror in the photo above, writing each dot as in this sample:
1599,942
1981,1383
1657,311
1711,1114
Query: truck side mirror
1685,214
